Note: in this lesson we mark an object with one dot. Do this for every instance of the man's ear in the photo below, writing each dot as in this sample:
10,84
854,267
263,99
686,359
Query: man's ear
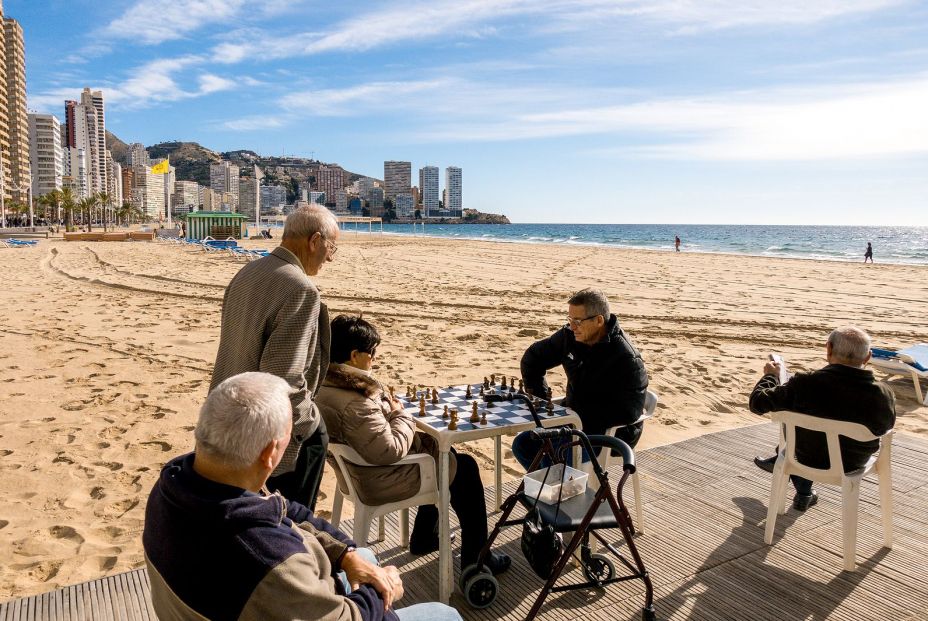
266,457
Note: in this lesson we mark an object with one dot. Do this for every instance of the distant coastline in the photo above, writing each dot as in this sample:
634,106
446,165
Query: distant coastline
896,245
471,216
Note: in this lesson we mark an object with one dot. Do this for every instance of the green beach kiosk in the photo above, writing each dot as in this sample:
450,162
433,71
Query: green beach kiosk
215,224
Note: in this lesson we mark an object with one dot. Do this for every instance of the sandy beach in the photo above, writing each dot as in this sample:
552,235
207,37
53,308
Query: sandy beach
106,351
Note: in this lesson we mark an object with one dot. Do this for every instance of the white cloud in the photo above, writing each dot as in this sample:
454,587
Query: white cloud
402,24
254,123
152,22
211,83
833,122
359,99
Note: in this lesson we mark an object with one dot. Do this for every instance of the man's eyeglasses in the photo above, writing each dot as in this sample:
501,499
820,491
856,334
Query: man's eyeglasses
576,321
331,245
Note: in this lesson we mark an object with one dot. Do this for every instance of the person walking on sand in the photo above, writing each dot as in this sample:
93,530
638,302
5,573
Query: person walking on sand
869,253
676,243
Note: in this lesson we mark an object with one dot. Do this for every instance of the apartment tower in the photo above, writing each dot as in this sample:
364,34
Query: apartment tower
397,178
14,121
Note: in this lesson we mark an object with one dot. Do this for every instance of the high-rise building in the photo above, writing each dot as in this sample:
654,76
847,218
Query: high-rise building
209,199
363,186
113,179
375,203
404,206
186,195
428,188
127,183
45,150
249,197
137,155
93,102
397,178
14,121
454,195
75,171
223,178
148,192
273,198
168,179
341,200
330,179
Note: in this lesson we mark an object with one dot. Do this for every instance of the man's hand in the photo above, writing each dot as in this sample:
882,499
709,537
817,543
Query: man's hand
773,368
385,580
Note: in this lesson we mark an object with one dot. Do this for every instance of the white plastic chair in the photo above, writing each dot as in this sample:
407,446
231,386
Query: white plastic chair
786,465
365,514
605,457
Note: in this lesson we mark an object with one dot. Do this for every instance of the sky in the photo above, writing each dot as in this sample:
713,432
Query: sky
604,111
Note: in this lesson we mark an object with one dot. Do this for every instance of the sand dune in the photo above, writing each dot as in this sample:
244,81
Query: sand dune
106,351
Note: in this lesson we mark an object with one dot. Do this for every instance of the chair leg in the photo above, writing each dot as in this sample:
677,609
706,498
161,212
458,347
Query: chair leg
362,524
777,495
850,495
639,514
337,507
404,527
380,531
886,503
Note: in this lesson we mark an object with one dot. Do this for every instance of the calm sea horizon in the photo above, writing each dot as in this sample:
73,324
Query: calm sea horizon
891,244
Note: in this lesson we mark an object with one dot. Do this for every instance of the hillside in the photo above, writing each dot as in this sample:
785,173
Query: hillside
189,159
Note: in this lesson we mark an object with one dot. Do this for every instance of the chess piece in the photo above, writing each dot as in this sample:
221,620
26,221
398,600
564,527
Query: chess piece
486,383
550,408
445,413
467,393
434,396
512,383
521,387
421,406
483,419
453,425
473,413
481,390
492,379
503,385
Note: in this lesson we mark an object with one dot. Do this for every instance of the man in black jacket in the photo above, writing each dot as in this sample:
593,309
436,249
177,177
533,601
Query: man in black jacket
606,378
844,390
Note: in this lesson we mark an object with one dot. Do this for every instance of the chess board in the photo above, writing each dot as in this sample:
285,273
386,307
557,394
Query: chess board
499,414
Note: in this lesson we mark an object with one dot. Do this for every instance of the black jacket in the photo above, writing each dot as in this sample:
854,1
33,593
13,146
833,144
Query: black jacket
836,392
606,382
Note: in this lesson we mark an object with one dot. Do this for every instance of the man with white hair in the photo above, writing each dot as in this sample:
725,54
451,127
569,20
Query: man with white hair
218,545
844,390
274,321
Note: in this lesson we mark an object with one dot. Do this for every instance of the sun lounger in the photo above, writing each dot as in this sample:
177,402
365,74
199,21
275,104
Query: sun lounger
911,361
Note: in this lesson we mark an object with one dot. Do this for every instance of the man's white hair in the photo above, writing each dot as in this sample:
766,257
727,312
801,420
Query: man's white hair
850,344
242,415
308,220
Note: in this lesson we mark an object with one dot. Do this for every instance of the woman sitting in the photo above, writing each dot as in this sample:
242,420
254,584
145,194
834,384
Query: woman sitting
358,412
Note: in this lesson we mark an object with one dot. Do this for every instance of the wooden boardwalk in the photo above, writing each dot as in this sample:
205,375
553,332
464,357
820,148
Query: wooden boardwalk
705,504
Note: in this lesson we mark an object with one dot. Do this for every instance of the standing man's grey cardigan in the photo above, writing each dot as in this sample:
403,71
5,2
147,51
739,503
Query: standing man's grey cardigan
273,321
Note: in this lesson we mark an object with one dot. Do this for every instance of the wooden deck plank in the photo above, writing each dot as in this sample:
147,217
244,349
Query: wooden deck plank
705,505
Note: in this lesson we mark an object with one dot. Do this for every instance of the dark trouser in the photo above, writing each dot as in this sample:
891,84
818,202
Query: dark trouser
302,485
525,447
468,503
803,486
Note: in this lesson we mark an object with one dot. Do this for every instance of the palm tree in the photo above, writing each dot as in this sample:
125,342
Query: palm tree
87,204
66,203
104,199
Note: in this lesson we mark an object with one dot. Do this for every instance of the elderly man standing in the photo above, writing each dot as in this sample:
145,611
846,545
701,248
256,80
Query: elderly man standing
844,390
606,378
273,321
219,546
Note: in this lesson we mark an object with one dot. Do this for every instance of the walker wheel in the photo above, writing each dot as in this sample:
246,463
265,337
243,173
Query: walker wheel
469,572
648,614
598,568
481,590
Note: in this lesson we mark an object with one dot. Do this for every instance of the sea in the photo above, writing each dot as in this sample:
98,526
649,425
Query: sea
891,244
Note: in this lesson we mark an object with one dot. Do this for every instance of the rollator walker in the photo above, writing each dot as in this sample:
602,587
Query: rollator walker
583,515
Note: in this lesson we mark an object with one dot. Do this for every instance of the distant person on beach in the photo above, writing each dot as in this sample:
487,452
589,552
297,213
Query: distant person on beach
606,378
844,390
869,253
676,243
273,321
360,413
218,545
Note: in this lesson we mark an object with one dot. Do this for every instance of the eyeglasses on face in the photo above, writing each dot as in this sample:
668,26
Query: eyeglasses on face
331,245
576,321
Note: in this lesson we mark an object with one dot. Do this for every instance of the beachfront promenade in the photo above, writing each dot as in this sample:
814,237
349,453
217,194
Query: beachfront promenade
705,504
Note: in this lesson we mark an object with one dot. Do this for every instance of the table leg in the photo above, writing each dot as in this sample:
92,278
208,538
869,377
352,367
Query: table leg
445,560
499,470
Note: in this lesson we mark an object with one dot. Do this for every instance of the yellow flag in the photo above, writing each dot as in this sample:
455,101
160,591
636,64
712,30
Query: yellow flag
161,168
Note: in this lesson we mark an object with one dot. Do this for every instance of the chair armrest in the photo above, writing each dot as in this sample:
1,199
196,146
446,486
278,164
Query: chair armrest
428,479
628,455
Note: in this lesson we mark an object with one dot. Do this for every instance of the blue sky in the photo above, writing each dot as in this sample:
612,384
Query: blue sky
626,111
